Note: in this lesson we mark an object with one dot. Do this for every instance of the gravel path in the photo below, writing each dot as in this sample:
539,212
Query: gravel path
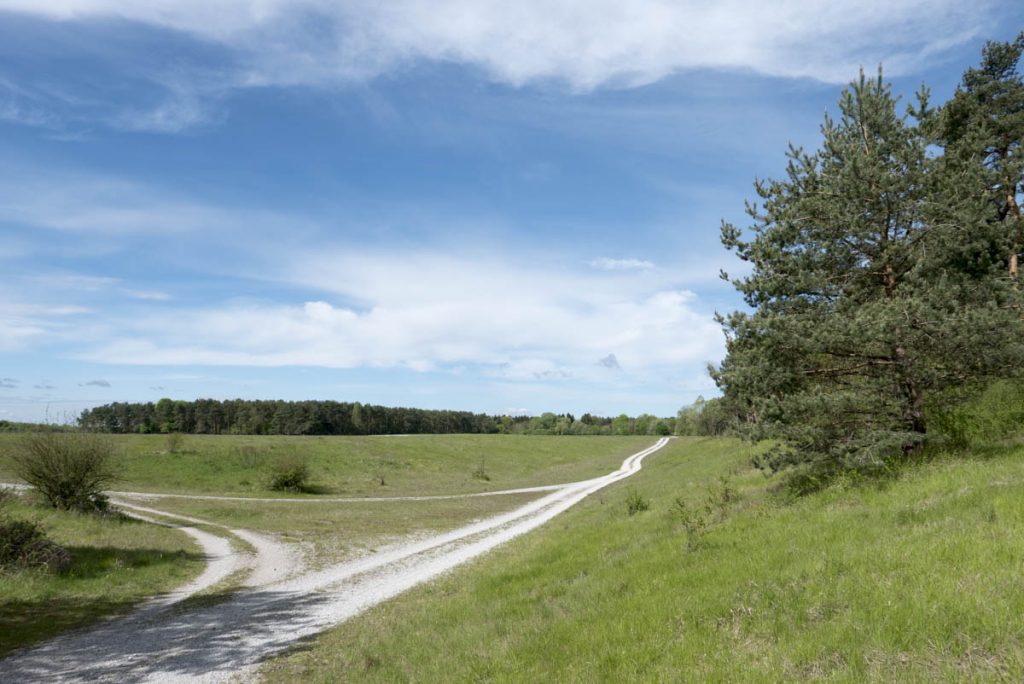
221,561
331,499
228,640
272,562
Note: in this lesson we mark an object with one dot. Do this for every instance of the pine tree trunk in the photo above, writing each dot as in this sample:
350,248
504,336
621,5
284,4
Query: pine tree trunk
913,400
1014,214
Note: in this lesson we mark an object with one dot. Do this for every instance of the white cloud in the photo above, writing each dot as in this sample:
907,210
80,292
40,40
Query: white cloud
428,311
98,205
608,264
148,295
22,324
583,44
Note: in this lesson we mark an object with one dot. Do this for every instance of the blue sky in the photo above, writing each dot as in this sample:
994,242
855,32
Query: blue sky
500,207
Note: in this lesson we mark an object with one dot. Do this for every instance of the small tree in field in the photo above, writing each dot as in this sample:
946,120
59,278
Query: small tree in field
69,469
289,473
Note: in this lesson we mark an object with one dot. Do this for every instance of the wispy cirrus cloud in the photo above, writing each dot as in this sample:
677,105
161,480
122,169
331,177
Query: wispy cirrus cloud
23,323
586,45
580,46
609,264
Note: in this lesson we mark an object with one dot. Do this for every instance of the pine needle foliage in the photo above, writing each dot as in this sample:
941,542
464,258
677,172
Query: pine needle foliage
877,281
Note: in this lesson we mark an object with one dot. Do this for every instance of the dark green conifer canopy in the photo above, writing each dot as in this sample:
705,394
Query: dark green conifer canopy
878,279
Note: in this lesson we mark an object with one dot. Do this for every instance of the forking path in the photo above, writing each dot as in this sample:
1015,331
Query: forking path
226,640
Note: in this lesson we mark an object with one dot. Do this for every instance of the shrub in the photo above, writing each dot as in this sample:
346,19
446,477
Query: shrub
694,521
289,473
481,472
68,469
175,441
24,545
251,456
635,502
720,496
978,416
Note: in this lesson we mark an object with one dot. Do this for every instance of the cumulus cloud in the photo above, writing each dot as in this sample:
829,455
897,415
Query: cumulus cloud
582,44
44,387
8,383
427,311
609,362
96,383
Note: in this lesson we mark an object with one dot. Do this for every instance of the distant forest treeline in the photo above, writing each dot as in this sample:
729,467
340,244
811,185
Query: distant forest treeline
254,417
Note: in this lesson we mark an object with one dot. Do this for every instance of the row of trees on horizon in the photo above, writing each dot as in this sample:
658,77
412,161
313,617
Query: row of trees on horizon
258,417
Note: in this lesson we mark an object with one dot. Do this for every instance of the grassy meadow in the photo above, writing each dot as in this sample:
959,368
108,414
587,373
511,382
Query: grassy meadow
333,531
357,466
911,578
116,564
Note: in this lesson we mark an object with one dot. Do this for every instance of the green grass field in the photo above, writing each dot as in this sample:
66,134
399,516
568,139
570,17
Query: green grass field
116,564
917,578
355,466
335,531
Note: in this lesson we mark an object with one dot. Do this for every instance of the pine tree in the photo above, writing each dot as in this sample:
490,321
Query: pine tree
863,304
983,123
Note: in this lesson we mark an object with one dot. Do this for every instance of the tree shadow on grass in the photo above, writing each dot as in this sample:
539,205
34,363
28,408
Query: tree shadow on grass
25,621
168,644
88,562
319,489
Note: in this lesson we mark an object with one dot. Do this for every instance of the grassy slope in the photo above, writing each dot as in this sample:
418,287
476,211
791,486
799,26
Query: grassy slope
353,466
116,565
916,579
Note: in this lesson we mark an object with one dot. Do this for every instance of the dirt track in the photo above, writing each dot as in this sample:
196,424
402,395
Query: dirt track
218,642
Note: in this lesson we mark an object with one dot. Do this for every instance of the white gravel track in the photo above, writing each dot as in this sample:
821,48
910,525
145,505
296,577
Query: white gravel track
221,561
334,499
228,640
272,562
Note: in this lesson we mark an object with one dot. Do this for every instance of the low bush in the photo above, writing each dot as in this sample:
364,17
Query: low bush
24,545
697,519
982,417
69,469
481,472
635,502
289,473
251,456
694,521
175,442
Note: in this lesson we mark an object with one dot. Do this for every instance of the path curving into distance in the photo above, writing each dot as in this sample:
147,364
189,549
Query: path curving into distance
220,642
